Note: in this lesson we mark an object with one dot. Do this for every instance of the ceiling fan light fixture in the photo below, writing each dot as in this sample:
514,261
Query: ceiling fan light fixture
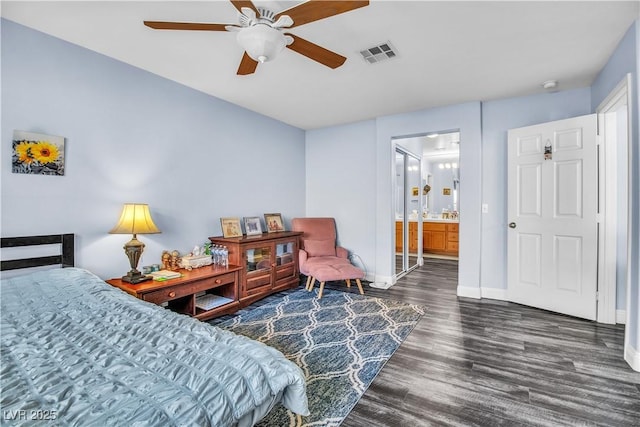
262,42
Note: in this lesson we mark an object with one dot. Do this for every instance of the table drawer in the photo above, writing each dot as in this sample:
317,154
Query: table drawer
452,237
168,293
452,227
213,282
452,246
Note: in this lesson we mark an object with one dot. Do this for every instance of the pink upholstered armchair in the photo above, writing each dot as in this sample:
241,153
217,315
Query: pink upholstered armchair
319,257
318,243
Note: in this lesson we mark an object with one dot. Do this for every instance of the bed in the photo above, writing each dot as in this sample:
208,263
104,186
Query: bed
81,352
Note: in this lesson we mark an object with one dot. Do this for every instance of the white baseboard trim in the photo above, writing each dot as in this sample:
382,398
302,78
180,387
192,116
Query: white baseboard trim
388,281
621,316
465,291
494,293
632,356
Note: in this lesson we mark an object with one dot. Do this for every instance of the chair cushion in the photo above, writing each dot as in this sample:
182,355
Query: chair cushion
326,260
320,247
321,261
324,273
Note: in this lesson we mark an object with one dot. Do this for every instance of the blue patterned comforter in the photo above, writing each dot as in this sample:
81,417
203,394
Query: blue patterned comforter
79,351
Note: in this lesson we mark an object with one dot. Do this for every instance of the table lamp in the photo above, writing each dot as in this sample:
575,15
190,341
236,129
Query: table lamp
135,219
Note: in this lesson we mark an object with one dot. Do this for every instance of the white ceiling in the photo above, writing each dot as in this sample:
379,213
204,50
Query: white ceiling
448,52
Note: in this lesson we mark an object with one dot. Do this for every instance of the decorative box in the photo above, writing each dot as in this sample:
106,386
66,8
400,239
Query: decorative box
190,262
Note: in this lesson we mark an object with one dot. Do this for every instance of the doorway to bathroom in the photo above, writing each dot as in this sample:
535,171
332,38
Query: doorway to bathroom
441,214
426,199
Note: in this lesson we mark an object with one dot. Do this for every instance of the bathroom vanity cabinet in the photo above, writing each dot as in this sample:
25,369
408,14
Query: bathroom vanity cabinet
438,237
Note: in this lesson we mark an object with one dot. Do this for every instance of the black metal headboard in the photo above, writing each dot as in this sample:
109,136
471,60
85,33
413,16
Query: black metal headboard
66,259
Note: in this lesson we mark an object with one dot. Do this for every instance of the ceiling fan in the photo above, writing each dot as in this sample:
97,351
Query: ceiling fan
261,32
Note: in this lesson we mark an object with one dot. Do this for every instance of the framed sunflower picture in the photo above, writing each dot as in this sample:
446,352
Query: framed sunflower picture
37,154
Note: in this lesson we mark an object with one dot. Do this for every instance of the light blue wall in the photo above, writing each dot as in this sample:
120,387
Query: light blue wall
340,182
626,59
132,136
337,155
466,118
497,118
621,62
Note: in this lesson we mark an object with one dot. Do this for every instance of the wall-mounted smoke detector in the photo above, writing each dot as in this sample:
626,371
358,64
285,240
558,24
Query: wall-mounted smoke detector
550,84
379,53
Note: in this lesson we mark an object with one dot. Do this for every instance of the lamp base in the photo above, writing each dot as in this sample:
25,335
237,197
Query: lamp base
135,278
133,248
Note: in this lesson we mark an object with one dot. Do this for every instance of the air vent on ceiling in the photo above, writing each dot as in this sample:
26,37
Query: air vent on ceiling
379,53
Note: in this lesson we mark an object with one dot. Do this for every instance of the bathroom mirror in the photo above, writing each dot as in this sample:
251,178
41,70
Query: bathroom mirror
441,172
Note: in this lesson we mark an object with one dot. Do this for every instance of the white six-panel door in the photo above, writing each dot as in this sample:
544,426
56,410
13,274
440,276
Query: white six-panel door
552,237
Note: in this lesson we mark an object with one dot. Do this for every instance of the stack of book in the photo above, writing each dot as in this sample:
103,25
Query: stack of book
210,301
164,275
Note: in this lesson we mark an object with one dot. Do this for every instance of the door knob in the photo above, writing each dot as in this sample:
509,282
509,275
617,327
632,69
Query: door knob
512,225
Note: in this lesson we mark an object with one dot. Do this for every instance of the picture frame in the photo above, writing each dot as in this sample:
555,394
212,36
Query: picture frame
231,227
274,223
37,153
252,225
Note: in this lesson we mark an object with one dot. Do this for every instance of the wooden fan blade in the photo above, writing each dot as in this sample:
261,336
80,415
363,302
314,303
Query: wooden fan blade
192,26
247,65
314,10
239,4
315,52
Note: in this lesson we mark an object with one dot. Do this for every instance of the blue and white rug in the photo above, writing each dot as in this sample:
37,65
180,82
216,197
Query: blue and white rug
340,341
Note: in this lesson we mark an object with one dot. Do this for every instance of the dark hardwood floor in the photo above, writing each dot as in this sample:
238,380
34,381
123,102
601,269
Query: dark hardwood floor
487,362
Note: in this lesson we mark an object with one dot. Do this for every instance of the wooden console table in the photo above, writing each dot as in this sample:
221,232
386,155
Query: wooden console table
180,294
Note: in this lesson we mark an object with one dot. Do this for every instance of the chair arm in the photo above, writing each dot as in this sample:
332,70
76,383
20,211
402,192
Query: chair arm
302,256
342,252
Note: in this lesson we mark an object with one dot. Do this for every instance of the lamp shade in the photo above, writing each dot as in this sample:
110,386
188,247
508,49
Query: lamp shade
262,42
135,219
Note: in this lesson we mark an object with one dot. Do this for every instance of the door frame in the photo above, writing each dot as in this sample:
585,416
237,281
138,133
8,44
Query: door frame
608,203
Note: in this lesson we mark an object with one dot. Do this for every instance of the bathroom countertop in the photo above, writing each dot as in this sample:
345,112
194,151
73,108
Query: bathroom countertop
440,220
432,220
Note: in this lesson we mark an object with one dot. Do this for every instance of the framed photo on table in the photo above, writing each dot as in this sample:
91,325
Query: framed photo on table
274,223
231,227
252,225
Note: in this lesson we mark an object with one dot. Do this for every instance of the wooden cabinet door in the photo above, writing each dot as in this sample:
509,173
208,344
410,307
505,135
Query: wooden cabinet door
258,260
286,269
413,237
399,228
438,240
426,240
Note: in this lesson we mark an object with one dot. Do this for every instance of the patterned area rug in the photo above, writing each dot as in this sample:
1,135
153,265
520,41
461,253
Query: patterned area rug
340,341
